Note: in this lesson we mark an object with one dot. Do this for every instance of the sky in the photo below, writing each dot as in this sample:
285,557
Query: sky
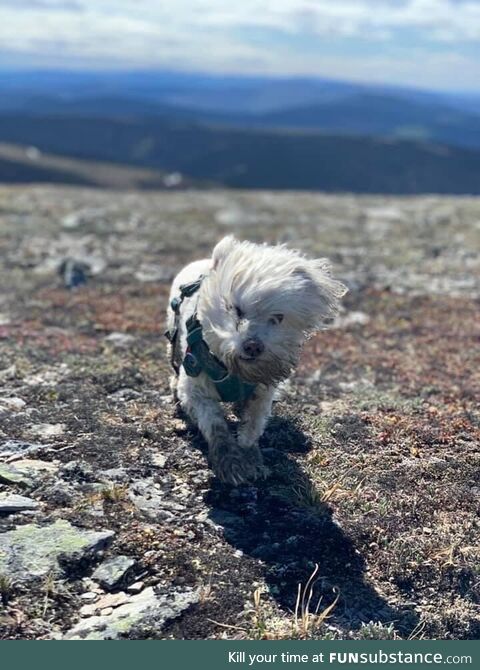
431,44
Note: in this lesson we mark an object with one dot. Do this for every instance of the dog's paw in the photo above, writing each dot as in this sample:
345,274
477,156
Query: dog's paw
236,465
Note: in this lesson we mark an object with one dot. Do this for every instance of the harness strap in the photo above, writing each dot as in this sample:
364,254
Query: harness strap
186,291
198,357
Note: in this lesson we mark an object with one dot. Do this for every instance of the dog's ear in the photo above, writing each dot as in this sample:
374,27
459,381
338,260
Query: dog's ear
320,289
222,249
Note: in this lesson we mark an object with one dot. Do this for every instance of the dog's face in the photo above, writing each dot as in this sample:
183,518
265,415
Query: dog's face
259,303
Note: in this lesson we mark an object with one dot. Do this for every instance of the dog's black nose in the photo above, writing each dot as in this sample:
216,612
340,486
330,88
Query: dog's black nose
253,347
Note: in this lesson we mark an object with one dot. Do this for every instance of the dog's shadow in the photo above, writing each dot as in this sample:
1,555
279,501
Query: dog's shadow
282,522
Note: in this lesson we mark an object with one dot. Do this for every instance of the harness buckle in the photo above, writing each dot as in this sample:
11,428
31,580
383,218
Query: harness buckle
175,304
191,364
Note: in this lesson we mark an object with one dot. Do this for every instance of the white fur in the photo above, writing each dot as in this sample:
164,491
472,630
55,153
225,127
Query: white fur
266,293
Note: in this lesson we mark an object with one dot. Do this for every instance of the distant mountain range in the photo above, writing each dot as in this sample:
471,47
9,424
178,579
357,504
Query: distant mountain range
255,132
321,104
254,158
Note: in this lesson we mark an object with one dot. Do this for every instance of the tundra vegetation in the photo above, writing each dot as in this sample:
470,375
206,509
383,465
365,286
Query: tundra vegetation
111,523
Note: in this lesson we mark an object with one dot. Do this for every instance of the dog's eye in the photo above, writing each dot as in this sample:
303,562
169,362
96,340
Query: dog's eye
276,319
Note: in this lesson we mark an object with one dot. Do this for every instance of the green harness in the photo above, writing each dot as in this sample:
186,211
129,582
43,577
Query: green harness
198,357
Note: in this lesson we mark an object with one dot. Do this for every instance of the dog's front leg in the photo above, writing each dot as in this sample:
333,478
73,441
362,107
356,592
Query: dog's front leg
230,463
254,419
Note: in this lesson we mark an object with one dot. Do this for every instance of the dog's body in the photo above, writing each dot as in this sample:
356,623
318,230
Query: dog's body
256,305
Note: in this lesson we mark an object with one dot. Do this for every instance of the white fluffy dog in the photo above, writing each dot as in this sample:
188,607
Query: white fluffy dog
237,323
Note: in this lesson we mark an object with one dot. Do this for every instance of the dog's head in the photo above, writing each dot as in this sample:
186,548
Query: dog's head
258,304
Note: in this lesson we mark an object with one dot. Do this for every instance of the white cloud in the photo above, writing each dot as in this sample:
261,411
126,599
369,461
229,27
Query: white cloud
219,35
19,5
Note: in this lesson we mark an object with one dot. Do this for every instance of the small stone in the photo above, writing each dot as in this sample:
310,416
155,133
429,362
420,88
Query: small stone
113,571
148,500
18,448
11,475
89,596
125,395
152,273
54,635
159,460
179,425
78,471
12,404
112,600
87,610
120,340
10,372
135,588
115,474
60,493
71,220
11,503
107,611
351,319
48,429
89,583
96,509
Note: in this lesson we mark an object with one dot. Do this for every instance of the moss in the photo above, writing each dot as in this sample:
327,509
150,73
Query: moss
32,551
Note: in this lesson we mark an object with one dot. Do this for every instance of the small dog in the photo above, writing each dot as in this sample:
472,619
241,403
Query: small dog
237,323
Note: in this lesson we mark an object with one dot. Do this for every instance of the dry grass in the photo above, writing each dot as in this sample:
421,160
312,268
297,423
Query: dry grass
306,622
114,493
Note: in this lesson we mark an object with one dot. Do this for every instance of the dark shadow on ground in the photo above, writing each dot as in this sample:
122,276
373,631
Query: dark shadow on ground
280,522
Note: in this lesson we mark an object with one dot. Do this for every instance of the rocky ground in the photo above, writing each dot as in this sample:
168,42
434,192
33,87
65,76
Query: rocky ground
111,524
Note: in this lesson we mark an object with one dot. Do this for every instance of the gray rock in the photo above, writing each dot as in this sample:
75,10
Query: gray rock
159,460
9,448
36,468
120,340
114,474
12,404
87,610
60,493
10,475
78,471
113,571
135,588
89,596
47,430
29,552
26,472
351,319
151,502
10,372
10,503
144,610
112,600
152,273
125,395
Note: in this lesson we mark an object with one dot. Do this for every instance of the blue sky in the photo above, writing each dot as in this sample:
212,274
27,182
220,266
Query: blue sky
424,43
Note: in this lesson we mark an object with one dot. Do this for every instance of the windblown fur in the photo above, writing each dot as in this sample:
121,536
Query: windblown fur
257,305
